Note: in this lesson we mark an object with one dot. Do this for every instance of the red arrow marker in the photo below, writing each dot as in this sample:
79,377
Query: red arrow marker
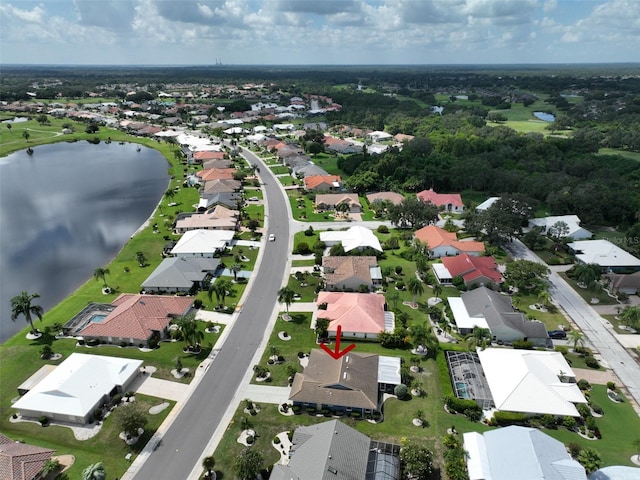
336,353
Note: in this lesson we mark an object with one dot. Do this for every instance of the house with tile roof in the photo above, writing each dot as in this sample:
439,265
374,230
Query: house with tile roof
319,183
205,155
215,173
518,452
450,202
334,449
77,387
353,383
393,197
484,308
330,201
218,218
474,271
181,274
442,243
351,273
21,461
360,315
353,238
217,164
220,185
136,319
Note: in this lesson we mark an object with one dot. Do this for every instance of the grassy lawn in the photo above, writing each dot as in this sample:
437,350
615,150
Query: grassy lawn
617,324
105,447
279,169
329,163
552,318
623,153
587,294
303,263
616,445
288,180
307,212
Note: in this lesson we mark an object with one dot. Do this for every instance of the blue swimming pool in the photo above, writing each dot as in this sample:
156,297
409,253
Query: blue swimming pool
461,388
98,317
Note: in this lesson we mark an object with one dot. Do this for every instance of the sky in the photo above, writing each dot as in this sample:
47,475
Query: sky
312,32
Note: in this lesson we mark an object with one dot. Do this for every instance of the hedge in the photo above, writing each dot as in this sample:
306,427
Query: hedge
504,419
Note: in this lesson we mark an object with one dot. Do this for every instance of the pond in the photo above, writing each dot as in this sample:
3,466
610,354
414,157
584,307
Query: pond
67,209
547,117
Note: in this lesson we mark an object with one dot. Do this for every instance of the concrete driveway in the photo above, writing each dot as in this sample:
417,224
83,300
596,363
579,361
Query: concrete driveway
155,387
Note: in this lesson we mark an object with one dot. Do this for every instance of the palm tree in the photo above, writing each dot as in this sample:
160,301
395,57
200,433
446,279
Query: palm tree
393,297
415,287
213,288
170,193
480,337
100,273
437,290
577,339
235,268
285,295
590,459
224,288
192,336
419,333
26,135
630,316
94,472
21,305
421,264
587,274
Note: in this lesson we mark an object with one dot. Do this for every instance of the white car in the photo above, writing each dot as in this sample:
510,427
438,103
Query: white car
272,237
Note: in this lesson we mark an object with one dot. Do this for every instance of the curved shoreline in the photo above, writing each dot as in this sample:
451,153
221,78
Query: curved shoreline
109,260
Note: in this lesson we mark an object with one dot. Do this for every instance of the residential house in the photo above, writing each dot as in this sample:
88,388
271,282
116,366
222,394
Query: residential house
21,461
77,387
356,237
215,173
394,197
450,202
485,308
353,383
203,156
574,230
131,319
226,199
442,243
610,257
202,243
220,185
487,204
620,282
331,201
379,136
360,315
181,274
319,183
474,271
518,452
334,449
403,137
217,163
351,273
531,381
218,218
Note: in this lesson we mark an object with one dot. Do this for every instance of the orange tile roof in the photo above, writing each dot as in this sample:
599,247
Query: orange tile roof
208,155
137,316
314,181
355,312
214,173
440,199
471,268
435,237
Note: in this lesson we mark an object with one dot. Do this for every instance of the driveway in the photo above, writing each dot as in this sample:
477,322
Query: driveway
164,389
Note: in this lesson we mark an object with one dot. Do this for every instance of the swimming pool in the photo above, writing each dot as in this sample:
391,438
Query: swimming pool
461,388
97,317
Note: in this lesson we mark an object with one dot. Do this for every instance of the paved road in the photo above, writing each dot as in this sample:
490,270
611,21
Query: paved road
183,443
591,324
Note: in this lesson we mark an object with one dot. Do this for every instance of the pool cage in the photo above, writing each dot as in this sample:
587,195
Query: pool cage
383,462
83,317
468,379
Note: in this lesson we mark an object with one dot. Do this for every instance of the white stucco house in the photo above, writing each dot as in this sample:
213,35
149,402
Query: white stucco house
572,222
202,243
77,387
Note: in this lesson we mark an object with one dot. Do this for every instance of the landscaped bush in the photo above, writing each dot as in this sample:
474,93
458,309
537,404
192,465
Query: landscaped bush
591,362
611,385
383,229
44,420
597,408
356,415
548,421
522,344
116,399
574,449
197,303
400,391
562,349
303,248
584,384
569,422
504,419
276,440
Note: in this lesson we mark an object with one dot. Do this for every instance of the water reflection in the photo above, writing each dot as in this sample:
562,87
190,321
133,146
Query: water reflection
66,210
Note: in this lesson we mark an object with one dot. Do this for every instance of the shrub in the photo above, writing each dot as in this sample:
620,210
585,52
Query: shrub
584,384
590,422
583,410
611,385
276,440
522,344
574,449
400,391
591,362
44,420
97,414
197,303
569,422
504,419
597,408
300,354
383,229
303,248
398,270
562,349
400,285
46,352
548,421
356,415
116,399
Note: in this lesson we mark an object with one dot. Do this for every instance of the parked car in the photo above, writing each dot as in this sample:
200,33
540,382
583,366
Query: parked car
272,237
557,334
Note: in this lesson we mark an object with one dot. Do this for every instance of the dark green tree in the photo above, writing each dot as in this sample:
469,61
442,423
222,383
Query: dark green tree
22,305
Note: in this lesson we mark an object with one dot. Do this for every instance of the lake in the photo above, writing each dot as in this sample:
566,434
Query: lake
547,117
67,209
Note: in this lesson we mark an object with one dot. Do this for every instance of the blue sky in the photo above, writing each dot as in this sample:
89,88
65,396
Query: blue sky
272,32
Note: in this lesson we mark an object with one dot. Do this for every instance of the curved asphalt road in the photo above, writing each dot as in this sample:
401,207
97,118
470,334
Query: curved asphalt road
591,324
182,445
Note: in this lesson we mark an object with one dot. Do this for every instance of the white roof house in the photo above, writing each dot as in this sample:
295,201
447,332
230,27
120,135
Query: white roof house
531,381
572,221
487,203
77,387
354,237
202,243
605,254
516,452
462,318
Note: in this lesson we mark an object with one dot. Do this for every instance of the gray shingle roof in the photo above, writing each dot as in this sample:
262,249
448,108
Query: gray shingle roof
180,272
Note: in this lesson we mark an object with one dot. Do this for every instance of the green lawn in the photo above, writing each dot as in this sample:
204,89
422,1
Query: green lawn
587,293
279,169
329,163
288,180
552,318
